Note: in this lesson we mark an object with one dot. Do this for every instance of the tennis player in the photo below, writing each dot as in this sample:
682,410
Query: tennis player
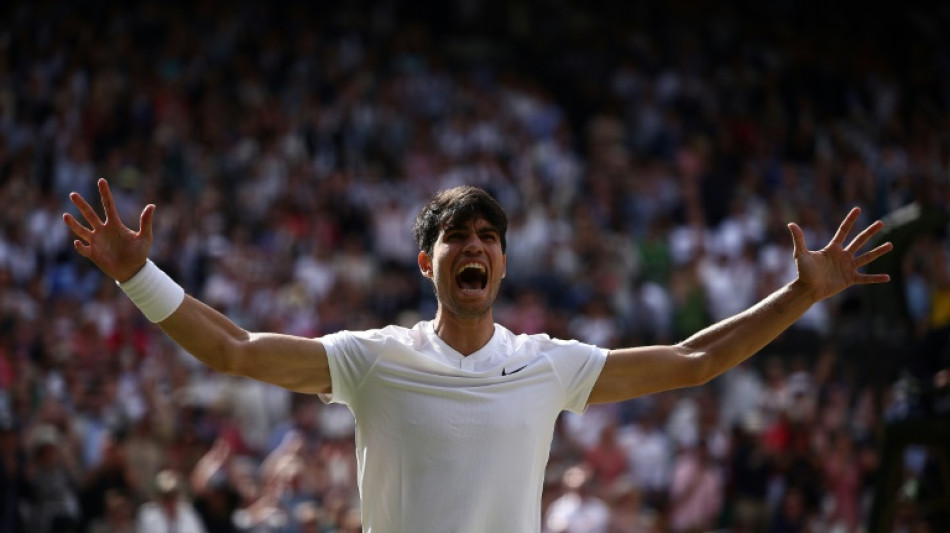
455,416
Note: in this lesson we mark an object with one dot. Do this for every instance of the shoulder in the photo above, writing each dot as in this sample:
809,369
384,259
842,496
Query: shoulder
397,333
539,341
544,345
375,337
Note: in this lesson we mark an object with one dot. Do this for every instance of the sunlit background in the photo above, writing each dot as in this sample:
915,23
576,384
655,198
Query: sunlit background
649,155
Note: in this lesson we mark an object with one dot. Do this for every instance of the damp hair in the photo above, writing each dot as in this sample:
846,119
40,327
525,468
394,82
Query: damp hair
456,206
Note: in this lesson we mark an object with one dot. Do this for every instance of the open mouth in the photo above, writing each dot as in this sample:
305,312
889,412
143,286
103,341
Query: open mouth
471,277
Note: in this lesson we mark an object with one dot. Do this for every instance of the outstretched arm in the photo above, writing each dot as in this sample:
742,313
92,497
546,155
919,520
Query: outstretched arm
632,372
296,363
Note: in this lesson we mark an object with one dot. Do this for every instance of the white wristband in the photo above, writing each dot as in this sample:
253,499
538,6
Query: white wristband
153,292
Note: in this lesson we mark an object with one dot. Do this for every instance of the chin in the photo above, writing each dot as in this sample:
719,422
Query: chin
471,310
467,305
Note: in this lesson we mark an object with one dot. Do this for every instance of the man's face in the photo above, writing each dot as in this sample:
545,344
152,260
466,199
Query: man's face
466,267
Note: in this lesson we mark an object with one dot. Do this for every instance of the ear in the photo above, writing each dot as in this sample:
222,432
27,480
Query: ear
504,266
425,264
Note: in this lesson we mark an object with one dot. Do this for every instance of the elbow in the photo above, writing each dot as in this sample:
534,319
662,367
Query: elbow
230,356
699,369
703,378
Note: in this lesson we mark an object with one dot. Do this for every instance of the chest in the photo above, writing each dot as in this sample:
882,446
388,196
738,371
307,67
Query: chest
435,410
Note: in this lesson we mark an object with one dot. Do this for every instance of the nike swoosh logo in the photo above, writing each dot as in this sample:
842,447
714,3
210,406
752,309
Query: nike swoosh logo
515,371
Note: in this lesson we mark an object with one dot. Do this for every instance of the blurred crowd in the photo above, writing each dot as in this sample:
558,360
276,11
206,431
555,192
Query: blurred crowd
648,155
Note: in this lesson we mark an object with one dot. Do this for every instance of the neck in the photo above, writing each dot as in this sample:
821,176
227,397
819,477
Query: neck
466,335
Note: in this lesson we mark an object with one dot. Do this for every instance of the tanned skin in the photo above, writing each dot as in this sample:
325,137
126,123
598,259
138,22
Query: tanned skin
464,317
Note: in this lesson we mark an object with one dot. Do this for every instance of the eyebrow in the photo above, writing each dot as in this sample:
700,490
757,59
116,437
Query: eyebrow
463,226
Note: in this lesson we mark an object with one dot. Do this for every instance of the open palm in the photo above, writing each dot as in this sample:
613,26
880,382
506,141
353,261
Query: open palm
834,268
116,249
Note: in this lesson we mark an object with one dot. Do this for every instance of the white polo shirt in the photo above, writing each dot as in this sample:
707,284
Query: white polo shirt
447,443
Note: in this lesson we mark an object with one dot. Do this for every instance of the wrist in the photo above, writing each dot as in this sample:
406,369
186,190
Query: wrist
153,292
806,291
126,277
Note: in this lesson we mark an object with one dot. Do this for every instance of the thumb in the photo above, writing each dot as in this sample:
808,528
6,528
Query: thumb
798,239
145,221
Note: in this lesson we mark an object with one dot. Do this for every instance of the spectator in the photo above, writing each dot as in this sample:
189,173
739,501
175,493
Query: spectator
577,510
607,461
792,516
113,475
712,138
650,455
749,469
169,510
842,472
14,485
696,491
119,514
215,498
54,502
627,513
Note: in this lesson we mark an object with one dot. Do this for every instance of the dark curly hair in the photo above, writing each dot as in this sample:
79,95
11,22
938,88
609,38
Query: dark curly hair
457,205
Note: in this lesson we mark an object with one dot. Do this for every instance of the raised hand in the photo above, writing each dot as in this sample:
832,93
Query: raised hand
834,268
116,249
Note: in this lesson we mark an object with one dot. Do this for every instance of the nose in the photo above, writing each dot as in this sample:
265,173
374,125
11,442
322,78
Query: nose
473,244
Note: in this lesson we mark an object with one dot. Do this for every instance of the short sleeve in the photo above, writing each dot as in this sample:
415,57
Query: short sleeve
349,359
578,366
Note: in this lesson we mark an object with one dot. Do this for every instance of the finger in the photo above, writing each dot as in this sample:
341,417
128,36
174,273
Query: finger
81,231
862,238
865,279
798,239
108,204
84,250
86,210
866,258
845,226
145,222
